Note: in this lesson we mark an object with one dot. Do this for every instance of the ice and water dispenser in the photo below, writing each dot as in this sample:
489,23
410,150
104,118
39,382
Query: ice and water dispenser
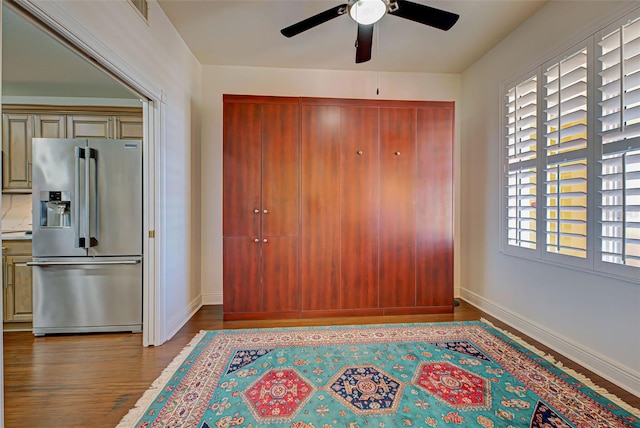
55,209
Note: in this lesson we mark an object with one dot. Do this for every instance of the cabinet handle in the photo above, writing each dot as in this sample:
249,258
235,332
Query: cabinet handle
265,211
264,240
256,211
256,240
28,172
359,152
6,275
397,153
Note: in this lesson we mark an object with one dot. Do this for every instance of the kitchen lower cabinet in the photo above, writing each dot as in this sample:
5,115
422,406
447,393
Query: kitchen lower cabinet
18,295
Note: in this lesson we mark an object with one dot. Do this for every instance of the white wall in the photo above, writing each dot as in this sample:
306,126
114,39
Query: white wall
157,55
219,80
593,319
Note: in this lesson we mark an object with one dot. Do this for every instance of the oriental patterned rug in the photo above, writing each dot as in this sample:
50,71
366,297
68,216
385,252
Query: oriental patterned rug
466,374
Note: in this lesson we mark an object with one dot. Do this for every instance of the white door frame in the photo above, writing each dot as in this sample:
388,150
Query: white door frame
62,26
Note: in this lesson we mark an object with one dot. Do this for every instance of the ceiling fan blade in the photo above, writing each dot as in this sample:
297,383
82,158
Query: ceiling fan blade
426,15
364,43
313,21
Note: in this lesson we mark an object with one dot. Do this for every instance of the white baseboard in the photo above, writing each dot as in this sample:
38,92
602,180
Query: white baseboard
212,299
620,375
181,319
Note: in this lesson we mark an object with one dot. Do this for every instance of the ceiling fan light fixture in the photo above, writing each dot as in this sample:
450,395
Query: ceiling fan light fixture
367,12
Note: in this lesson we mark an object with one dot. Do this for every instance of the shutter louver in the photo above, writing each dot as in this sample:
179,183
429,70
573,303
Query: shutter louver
521,174
619,96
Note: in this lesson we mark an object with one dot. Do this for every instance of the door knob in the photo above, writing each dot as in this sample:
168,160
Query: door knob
256,211
264,211
256,240
264,240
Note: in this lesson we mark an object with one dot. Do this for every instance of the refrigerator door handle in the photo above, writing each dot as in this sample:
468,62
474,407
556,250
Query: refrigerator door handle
87,263
93,239
78,237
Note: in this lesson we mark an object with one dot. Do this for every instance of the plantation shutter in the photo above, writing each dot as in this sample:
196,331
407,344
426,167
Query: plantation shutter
565,120
619,96
521,171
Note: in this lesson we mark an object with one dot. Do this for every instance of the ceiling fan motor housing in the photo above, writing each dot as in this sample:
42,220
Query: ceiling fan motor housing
367,12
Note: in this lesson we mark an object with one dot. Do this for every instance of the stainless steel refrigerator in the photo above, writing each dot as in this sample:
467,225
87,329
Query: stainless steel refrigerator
87,235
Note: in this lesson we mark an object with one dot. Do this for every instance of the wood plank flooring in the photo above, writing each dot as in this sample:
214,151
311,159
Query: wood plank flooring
93,380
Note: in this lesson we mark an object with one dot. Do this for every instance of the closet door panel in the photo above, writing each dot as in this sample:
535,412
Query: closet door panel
359,207
320,232
435,208
241,169
280,170
280,274
242,289
397,207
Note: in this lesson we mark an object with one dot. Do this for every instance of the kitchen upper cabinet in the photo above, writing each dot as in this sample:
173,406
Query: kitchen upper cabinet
81,126
17,296
17,132
22,123
261,203
50,126
105,126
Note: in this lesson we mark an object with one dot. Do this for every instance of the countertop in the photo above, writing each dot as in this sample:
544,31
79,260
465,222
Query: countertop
16,235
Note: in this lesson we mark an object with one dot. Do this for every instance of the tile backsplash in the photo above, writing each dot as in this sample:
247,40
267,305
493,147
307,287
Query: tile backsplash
16,212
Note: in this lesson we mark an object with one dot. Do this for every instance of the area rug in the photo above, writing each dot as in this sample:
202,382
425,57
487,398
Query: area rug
468,374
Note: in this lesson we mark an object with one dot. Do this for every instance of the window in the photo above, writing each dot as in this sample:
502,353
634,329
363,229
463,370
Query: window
572,159
619,96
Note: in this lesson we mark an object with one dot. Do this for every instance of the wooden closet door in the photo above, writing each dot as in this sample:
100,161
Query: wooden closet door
359,208
434,267
242,128
280,206
320,233
397,207
242,286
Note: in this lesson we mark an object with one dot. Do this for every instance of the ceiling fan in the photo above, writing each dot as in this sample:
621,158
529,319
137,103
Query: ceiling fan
367,12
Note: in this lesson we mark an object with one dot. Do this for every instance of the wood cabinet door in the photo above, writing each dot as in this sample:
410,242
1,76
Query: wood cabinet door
359,159
242,288
280,289
50,126
17,132
128,128
434,225
242,127
83,126
280,170
320,229
397,207
18,293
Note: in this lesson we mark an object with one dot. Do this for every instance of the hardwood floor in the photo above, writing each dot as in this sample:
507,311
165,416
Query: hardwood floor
93,380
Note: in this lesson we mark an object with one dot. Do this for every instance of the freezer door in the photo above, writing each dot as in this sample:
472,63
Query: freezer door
86,295
115,207
58,194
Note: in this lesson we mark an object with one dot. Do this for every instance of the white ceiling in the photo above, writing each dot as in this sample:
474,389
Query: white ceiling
247,33
37,65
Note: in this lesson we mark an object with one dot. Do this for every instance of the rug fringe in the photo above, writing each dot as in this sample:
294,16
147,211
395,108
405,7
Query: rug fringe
134,414
578,376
